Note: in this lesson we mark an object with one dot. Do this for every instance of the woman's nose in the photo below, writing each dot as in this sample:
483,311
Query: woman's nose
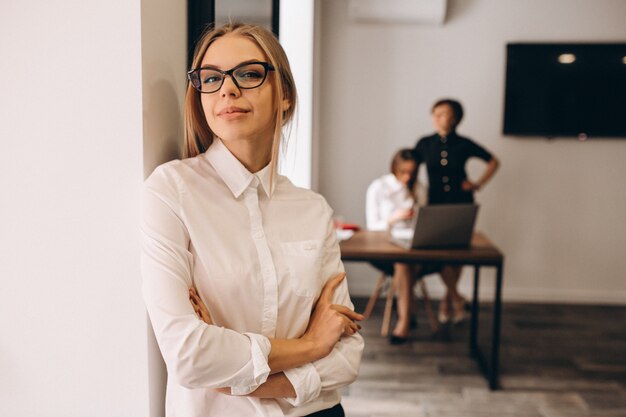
229,88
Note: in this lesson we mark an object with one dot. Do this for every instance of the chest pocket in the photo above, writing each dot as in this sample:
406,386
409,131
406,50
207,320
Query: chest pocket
304,261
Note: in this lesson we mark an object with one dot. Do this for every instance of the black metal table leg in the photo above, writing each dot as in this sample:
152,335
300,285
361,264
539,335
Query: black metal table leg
494,365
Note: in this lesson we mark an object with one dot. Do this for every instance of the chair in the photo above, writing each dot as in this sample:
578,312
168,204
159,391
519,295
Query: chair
386,280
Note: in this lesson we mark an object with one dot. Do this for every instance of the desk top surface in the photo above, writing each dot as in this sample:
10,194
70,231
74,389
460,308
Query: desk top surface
369,246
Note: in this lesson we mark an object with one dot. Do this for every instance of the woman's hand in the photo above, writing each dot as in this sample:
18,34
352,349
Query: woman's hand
330,321
399,215
492,167
198,306
469,186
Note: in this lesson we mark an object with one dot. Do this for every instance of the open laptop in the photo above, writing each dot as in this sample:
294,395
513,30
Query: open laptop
439,226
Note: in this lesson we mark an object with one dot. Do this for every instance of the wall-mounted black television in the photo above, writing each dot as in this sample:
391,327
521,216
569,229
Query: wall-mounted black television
565,90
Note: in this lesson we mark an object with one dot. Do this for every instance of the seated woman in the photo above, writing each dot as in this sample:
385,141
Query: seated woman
390,204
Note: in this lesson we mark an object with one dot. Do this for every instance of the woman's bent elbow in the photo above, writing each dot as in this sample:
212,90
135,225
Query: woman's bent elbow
185,375
188,373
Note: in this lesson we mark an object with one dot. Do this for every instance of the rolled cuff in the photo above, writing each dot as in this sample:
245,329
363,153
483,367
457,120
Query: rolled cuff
259,351
306,383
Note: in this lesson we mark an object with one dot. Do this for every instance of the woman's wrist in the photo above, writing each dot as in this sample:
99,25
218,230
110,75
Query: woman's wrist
291,353
311,350
276,386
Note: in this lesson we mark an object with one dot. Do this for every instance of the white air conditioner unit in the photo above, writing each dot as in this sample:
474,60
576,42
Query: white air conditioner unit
398,11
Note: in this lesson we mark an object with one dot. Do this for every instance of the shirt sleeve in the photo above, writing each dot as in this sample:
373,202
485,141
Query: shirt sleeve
193,351
373,214
341,366
474,149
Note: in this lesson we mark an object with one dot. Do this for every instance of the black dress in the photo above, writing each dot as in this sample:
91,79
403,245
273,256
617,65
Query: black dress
445,159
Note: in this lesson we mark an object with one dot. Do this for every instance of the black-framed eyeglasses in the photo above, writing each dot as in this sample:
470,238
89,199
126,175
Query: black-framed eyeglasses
245,76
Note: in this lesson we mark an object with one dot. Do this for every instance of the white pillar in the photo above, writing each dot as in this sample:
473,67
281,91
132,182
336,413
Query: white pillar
297,36
73,323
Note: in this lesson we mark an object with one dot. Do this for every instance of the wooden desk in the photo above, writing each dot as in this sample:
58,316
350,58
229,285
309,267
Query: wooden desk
366,246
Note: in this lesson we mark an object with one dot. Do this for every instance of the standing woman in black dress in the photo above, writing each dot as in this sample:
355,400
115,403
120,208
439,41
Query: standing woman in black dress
445,154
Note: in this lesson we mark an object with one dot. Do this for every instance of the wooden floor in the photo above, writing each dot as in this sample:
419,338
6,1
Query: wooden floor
556,361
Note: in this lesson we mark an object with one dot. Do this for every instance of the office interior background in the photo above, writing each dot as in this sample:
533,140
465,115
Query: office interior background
92,96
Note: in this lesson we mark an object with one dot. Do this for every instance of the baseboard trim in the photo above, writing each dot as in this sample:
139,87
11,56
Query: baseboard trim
526,295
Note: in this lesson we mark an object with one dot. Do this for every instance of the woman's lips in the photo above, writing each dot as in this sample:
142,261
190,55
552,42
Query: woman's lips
232,112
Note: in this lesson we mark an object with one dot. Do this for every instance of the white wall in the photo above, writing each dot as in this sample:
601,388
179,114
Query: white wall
556,208
72,318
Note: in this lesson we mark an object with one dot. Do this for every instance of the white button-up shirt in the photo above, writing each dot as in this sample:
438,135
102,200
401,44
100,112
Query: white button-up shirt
258,259
384,196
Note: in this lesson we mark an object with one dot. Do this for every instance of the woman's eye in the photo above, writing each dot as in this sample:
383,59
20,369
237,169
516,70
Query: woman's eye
211,79
250,75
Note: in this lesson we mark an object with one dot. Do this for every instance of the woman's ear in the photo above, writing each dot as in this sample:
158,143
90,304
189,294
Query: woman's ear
286,105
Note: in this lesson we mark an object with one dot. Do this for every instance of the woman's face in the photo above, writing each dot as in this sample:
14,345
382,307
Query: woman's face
233,113
405,171
443,119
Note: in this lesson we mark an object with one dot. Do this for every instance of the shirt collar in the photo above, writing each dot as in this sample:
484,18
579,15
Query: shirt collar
264,176
233,173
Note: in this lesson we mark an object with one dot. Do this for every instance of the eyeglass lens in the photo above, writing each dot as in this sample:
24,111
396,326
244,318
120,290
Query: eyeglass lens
246,76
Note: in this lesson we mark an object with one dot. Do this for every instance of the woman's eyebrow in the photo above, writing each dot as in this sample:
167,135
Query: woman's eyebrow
209,66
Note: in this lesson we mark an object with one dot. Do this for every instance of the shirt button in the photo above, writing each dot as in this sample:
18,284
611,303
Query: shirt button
446,188
444,162
445,179
444,154
444,139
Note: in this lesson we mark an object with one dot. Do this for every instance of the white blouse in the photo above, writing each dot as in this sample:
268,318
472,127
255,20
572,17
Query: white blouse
384,196
258,260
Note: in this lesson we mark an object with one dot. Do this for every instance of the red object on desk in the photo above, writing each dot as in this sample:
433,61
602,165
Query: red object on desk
350,226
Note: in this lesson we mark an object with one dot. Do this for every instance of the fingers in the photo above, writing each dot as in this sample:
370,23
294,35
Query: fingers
330,286
198,307
193,296
467,185
349,316
226,390
351,328
195,300
352,315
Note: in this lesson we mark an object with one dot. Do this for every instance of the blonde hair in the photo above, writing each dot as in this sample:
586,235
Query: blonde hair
406,155
198,134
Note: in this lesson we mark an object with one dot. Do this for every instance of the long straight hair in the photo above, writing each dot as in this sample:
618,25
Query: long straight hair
198,134
405,155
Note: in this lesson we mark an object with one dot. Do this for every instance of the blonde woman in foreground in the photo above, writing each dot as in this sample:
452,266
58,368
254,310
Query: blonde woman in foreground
271,329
